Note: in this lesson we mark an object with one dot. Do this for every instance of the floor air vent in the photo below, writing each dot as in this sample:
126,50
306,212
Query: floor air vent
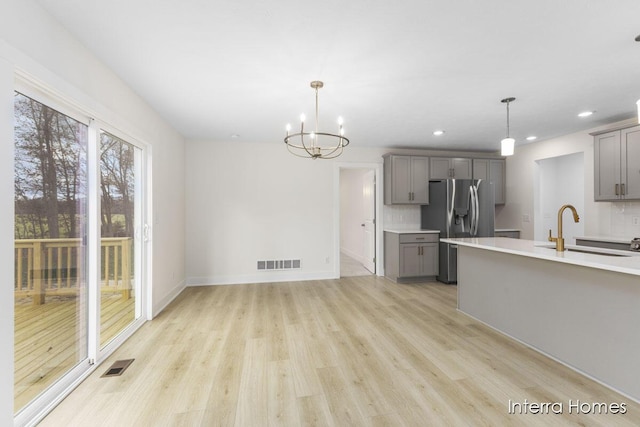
280,264
117,368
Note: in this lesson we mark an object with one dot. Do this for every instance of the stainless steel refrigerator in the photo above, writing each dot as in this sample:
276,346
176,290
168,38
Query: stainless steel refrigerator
458,208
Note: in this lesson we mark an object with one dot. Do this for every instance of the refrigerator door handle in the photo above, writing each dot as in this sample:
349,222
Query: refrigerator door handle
476,210
472,212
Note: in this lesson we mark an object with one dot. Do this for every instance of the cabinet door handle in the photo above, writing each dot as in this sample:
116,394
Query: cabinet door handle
617,192
623,192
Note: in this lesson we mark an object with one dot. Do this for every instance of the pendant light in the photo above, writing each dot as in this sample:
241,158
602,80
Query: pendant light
507,144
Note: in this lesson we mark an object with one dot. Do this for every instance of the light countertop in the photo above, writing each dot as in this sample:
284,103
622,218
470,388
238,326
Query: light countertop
506,229
629,264
410,231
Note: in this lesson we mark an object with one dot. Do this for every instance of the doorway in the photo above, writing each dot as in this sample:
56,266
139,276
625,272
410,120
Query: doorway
358,229
560,181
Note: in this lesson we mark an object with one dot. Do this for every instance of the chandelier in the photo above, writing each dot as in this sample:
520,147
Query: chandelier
316,144
508,143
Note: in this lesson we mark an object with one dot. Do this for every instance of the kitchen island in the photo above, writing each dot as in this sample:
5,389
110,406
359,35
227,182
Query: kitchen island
581,309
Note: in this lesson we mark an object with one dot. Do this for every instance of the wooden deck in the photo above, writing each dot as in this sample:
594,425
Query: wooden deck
49,342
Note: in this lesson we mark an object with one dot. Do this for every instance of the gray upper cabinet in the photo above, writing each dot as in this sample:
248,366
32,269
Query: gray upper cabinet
406,180
617,165
493,170
446,167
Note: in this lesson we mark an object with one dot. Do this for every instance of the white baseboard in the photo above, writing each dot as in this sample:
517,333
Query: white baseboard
263,277
166,300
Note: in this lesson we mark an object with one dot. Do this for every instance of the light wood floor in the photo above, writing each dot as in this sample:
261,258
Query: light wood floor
48,342
354,351
349,267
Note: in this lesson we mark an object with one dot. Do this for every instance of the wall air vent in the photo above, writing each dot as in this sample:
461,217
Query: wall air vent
279,264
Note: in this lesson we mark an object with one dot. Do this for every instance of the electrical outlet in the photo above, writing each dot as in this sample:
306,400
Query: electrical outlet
635,220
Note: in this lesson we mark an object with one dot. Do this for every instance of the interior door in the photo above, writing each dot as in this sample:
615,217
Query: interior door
369,209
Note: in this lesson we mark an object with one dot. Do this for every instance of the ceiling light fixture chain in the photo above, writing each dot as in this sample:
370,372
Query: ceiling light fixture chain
507,144
311,147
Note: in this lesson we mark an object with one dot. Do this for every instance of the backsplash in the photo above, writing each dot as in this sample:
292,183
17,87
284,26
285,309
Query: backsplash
401,216
619,219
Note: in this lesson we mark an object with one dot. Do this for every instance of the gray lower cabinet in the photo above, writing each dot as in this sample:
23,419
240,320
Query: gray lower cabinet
493,170
410,255
617,165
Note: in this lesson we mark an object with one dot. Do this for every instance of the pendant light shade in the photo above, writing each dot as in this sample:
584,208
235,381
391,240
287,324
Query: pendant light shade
507,145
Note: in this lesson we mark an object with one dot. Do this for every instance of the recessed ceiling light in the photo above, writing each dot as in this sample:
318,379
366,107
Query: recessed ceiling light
532,138
586,113
438,132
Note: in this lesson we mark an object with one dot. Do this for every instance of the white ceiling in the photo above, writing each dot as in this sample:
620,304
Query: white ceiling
395,70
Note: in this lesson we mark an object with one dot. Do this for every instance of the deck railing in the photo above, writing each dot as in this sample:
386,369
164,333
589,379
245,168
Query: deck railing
45,267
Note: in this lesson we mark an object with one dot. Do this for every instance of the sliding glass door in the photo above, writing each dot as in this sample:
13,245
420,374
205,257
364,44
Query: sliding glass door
79,245
121,234
50,287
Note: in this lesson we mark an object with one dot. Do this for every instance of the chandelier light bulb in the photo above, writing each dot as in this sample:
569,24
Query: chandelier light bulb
302,117
288,127
341,120
312,135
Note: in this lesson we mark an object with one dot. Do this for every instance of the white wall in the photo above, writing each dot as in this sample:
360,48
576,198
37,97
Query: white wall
32,42
250,202
6,243
560,182
600,219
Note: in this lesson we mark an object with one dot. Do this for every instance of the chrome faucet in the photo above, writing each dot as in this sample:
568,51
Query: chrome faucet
560,240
